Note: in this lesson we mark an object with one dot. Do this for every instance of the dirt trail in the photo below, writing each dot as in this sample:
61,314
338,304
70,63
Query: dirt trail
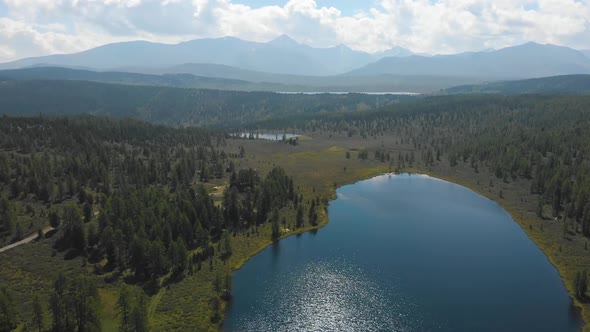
26,239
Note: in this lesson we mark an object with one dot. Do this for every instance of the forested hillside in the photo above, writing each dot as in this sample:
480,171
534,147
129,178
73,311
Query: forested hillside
180,80
170,211
542,138
541,143
132,199
173,106
562,85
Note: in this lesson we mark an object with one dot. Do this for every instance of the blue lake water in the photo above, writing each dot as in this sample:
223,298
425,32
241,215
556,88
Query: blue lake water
268,136
404,253
398,93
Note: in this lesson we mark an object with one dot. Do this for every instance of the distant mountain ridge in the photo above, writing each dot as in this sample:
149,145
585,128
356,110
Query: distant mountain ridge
179,80
565,84
281,55
207,76
283,64
524,61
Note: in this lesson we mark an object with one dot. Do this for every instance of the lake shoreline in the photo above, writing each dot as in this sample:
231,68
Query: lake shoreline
382,176
581,310
323,218
375,171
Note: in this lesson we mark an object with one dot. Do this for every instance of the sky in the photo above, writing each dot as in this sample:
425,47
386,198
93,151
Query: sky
42,27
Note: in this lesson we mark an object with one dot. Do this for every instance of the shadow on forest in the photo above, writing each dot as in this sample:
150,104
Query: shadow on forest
172,279
72,254
148,285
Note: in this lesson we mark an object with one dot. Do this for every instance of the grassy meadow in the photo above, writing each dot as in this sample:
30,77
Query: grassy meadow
319,166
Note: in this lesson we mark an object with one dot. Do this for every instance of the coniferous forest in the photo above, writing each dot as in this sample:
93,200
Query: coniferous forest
128,196
135,222
300,165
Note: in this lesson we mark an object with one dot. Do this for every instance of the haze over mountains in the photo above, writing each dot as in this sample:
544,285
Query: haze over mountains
282,55
286,65
523,61
563,85
166,80
222,78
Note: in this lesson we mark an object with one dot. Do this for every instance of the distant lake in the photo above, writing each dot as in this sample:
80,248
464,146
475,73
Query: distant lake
267,136
404,253
400,93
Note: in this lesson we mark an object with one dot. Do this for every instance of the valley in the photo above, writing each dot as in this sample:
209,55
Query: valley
331,153
231,177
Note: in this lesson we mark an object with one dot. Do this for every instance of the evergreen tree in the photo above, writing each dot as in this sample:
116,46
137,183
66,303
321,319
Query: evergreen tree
540,207
299,218
581,284
7,312
38,317
87,209
276,233
124,308
86,305
179,256
7,218
226,288
19,233
75,305
54,219
139,313
74,235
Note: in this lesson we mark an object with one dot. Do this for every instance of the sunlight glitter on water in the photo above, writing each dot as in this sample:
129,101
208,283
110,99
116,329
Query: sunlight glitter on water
330,297
403,253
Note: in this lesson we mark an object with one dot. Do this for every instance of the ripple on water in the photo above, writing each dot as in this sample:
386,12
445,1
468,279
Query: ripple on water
403,253
327,296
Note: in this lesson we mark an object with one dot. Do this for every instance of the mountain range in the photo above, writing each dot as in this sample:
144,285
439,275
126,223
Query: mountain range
286,65
517,62
282,55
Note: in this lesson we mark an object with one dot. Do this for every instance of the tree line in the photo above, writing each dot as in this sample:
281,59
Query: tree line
172,106
131,198
544,139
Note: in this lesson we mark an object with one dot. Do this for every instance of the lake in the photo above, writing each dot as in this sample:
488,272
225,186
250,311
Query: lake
267,136
397,93
404,253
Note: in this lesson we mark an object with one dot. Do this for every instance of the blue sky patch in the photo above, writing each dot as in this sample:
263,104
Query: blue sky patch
3,9
531,6
347,7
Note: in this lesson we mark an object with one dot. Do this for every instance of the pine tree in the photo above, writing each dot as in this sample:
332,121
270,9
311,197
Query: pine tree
540,207
299,219
124,308
7,312
276,233
38,313
581,284
139,314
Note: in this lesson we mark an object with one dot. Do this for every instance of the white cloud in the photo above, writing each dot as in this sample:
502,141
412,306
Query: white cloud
39,27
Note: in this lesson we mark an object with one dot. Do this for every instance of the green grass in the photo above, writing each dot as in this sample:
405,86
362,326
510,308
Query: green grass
318,166
108,299
30,269
321,169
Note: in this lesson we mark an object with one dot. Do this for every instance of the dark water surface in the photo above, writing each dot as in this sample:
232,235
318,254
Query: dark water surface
404,253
